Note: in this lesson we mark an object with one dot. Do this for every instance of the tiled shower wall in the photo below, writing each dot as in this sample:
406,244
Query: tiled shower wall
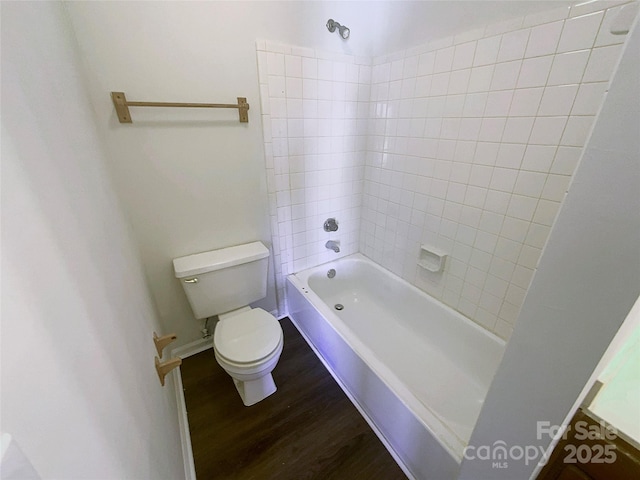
314,114
472,145
466,144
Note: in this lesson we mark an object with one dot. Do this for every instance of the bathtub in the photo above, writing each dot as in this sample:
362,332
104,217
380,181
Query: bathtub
417,370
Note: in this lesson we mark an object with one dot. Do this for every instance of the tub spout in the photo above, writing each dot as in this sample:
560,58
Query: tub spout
333,245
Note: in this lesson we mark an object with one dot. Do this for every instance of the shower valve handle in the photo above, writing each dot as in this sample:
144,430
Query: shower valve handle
330,225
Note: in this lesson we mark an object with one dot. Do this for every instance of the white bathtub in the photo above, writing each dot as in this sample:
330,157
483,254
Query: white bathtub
416,369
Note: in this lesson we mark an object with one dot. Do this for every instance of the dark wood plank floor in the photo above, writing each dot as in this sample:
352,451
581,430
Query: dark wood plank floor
307,429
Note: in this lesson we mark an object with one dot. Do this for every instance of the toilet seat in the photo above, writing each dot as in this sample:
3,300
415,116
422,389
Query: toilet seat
248,337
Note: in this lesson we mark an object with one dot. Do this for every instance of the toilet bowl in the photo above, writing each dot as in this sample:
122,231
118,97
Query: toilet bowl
247,342
247,345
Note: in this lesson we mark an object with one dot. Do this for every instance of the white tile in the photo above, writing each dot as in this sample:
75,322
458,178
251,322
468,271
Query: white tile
410,67
502,269
535,71
601,63
294,87
469,130
514,229
339,72
558,100
547,130
526,102
522,207
589,98
515,295
498,103
518,129
521,275
566,160
487,51
309,88
580,32
474,104
605,37
277,86
530,184
507,318
538,158
496,286
546,212
544,39
491,222
480,79
262,66
475,195
325,69
505,75
397,67
491,129
497,202
480,176
425,63
458,81
364,74
463,55
568,68
508,250
440,84
536,237
503,179
556,187
486,154
513,45
293,66
275,64
486,241
576,131
510,155
444,60
353,72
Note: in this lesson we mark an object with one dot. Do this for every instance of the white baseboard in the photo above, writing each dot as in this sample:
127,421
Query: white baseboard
192,348
183,422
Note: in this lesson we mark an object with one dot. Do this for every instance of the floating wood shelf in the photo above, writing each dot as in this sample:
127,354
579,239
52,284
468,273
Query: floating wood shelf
122,105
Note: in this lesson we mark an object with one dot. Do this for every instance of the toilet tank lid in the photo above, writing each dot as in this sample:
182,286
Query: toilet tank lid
217,259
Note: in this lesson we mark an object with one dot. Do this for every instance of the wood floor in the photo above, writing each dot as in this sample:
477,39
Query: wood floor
308,429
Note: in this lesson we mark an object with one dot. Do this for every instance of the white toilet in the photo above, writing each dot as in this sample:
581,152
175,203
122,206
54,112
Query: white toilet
247,342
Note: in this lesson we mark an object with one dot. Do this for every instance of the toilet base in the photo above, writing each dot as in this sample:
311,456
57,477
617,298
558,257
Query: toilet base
253,391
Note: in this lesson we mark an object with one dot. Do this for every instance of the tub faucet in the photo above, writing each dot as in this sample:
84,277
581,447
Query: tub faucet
333,245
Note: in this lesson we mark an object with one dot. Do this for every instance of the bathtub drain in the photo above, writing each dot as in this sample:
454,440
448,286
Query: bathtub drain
338,306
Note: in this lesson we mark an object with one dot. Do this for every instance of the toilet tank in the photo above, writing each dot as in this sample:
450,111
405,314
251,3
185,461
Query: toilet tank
223,280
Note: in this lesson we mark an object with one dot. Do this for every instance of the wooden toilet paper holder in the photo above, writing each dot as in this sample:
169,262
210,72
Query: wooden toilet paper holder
165,367
163,341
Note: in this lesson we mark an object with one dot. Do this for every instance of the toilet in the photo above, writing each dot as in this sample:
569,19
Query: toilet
247,342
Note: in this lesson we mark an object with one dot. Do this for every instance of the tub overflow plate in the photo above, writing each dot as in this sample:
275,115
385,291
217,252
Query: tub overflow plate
338,306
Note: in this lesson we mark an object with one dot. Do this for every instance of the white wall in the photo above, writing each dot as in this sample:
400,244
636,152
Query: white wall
195,180
586,283
80,393
191,180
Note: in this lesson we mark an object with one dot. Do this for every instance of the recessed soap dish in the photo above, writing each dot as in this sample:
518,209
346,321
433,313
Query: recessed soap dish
431,259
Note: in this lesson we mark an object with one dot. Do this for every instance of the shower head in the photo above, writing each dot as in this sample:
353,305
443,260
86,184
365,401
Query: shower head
344,31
